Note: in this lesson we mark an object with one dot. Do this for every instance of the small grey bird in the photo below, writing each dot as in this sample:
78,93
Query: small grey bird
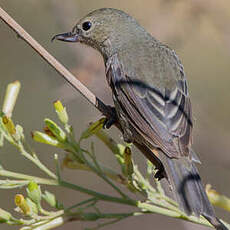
151,100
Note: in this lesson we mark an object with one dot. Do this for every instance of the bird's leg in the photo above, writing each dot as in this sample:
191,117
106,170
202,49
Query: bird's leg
160,170
112,119
160,174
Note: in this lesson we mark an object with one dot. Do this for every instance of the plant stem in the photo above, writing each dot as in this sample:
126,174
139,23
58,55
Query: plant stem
96,169
171,213
80,204
56,222
108,141
107,171
36,161
99,196
38,180
101,174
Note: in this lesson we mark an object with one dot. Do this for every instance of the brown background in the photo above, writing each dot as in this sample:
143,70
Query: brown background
199,32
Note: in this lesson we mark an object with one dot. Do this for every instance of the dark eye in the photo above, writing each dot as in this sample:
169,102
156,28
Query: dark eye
86,25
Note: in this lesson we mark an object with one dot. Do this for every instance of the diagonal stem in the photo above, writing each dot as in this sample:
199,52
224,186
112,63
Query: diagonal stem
99,196
36,161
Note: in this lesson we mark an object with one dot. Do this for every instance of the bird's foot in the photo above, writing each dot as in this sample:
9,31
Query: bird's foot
160,174
111,120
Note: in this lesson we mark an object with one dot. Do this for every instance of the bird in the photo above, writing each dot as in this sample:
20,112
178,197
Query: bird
151,101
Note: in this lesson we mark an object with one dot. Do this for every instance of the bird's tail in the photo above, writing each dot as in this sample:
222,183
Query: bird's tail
190,193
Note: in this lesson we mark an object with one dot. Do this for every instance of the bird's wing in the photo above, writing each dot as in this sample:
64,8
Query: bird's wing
163,119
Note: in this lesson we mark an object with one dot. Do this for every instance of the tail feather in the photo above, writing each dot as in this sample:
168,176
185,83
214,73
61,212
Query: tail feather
190,194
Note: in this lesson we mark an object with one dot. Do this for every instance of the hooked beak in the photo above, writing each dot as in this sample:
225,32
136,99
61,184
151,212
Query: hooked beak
66,37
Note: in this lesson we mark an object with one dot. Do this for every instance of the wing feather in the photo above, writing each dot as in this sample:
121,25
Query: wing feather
162,117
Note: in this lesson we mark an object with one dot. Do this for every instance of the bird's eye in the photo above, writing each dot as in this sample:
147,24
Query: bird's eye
86,25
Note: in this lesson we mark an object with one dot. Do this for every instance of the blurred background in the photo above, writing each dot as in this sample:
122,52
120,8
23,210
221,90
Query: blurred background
199,32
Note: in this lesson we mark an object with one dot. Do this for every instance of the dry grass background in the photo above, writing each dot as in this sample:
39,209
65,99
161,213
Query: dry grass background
199,32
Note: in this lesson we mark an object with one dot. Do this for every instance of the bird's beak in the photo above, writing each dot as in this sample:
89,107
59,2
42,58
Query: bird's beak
66,37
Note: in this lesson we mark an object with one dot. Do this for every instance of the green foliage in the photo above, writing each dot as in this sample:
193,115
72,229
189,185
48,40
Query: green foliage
34,216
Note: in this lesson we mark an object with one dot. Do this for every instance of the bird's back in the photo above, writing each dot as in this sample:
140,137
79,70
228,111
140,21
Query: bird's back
150,61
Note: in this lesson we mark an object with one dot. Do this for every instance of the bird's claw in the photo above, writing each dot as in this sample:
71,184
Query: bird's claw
111,120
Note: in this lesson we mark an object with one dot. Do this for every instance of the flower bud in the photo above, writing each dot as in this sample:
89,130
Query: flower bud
55,130
217,199
9,125
10,98
50,198
32,205
93,128
22,204
61,112
34,192
128,161
46,139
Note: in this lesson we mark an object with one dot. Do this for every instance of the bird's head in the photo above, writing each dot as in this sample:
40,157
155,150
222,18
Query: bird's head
106,30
